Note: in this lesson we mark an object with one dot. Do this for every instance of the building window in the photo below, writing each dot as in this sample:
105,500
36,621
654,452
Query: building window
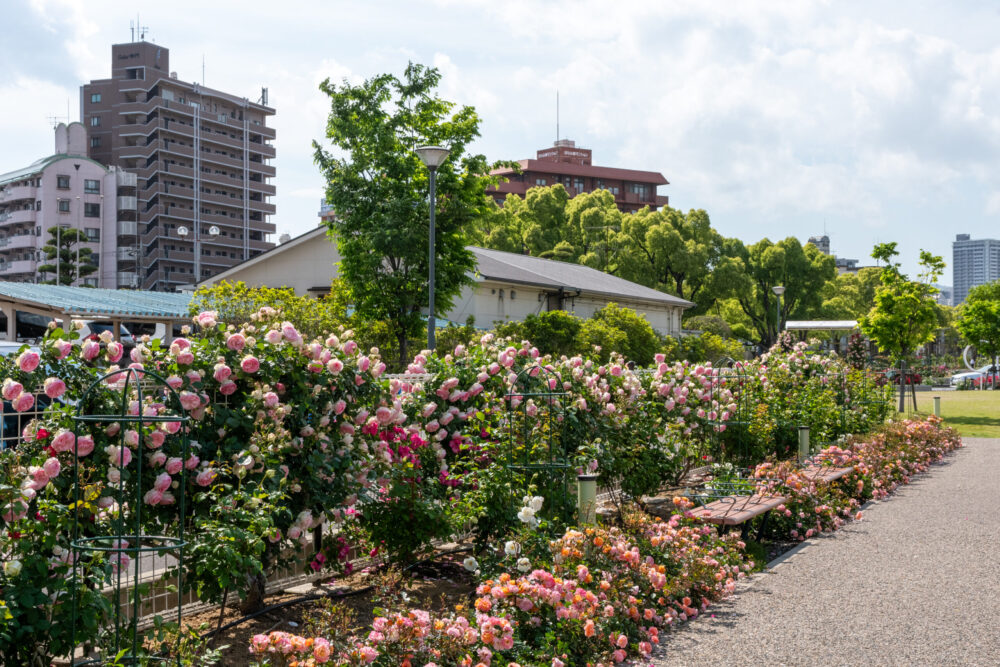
92,186
640,189
578,184
95,121
95,142
62,182
91,210
90,282
64,206
95,98
93,234
539,181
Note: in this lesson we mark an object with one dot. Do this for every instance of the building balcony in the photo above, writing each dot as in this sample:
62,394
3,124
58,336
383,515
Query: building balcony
8,269
126,203
128,108
260,167
224,160
17,192
127,254
18,242
139,151
128,280
11,218
262,206
138,129
128,228
178,149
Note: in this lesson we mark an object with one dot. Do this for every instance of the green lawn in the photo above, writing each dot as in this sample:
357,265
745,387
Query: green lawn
973,413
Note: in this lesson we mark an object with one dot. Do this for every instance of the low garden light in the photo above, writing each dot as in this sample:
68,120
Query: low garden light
778,290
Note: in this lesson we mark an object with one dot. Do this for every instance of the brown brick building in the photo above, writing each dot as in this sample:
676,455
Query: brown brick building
572,166
202,158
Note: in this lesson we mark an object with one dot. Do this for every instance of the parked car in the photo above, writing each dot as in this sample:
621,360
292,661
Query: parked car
93,330
978,376
893,375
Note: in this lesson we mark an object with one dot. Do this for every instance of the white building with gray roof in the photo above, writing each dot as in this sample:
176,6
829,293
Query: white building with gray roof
506,286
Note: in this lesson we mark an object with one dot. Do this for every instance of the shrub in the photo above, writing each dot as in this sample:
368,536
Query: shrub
640,339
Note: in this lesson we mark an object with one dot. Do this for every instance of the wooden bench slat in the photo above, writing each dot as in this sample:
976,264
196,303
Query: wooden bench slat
740,510
826,473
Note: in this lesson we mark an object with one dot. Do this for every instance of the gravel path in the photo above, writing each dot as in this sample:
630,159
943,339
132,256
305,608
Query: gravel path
917,582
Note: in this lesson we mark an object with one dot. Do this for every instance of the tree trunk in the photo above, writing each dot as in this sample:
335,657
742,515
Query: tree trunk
403,351
256,590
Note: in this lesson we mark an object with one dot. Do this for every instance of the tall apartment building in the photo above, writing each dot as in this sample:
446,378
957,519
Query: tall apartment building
67,190
202,158
565,163
974,262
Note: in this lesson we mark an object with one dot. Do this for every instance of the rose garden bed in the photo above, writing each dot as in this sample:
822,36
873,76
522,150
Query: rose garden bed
265,439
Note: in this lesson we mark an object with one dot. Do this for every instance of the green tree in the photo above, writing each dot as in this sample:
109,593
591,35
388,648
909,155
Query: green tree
803,271
851,295
74,262
677,253
905,314
640,343
378,187
979,319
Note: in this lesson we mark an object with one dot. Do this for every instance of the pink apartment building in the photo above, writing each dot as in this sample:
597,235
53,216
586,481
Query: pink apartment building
72,191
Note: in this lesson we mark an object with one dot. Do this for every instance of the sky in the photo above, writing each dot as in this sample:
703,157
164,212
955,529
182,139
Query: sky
871,120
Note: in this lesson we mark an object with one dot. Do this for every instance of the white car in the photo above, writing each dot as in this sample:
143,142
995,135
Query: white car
977,376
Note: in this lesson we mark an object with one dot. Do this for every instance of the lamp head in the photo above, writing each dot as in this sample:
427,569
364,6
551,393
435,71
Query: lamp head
432,156
778,289
182,231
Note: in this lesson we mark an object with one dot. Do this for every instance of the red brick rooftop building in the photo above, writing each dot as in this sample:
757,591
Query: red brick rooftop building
571,166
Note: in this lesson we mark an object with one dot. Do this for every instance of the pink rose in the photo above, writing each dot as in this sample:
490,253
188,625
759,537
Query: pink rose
84,445
250,364
175,382
63,441
120,456
335,366
273,336
157,459
156,439
153,497
379,369
227,388
222,372
289,331
236,342
62,348
131,437
349,347
11,389
24,402
90,349
189,400
270,399
54,387
39,477
364,363
174,465
28,361
192,462
185,358
205,477
207,319
115,351
162,482
339,406
52,467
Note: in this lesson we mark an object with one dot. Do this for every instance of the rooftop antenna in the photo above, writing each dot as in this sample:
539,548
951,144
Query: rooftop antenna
557,116
203,69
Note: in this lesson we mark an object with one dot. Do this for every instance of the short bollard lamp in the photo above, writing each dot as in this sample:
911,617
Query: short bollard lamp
937,406
586,498
803,443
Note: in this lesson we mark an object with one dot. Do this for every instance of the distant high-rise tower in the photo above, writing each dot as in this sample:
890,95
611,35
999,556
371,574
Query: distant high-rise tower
202,158
974,262
822,243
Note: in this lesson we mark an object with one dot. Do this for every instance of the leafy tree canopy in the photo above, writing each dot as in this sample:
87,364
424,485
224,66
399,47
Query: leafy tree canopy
979,319
804,272
905,314
66,258
378,188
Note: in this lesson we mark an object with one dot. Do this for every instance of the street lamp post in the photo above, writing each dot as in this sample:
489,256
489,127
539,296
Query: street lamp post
778,290
432,157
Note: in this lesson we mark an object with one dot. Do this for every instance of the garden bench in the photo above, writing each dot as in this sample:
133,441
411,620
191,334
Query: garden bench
736,510
826,474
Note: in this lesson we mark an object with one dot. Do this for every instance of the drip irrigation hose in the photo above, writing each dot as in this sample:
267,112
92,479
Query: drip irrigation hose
319,596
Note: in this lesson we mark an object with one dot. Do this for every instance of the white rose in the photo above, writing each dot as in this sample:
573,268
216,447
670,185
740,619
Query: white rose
512,548
536,503
470,564
523,564
12,568
526,515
